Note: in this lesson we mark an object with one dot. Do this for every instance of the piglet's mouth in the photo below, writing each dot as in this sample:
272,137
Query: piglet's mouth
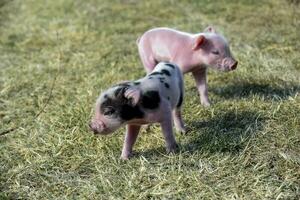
226,68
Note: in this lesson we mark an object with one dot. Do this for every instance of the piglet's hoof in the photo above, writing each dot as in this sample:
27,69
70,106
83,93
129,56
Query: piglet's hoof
185,131
126,156
146,127
172,149
205,103
182,130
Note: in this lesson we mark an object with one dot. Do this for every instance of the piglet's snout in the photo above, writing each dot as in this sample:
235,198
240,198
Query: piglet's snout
97,127
229,64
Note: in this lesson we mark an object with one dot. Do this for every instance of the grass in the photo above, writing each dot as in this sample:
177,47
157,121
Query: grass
56,57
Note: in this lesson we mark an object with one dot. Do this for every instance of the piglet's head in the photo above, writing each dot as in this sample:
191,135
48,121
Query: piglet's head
115,107
213,50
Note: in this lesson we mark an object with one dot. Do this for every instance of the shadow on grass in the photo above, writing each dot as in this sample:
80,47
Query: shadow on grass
228,132
264,90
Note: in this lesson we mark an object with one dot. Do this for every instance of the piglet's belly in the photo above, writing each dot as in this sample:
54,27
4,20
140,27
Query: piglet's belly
151,118
138,122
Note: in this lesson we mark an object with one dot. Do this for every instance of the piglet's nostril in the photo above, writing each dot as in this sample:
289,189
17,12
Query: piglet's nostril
234,66
92,128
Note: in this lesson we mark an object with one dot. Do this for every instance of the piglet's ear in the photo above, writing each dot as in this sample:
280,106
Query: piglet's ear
199,42
133,94
210,29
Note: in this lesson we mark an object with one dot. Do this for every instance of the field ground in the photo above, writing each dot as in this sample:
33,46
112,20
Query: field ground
56,56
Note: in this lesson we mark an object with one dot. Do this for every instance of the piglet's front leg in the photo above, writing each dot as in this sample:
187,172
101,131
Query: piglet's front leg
132,132
201,83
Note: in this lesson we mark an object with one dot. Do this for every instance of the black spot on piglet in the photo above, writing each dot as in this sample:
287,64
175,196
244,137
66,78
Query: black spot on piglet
150,99
170,65
154,74
130,112
122,108
119,92
164,71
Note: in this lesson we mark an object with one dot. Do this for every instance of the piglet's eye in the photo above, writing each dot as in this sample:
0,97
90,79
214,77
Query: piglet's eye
109,111
216,52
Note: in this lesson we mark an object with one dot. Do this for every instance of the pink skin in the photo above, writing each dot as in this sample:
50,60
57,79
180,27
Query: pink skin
192,52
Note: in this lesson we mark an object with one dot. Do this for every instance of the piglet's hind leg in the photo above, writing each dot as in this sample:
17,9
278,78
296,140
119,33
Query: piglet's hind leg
167,129
179,124
147,60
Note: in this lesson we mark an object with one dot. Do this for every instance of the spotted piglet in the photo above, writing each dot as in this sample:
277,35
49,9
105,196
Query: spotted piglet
156,98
